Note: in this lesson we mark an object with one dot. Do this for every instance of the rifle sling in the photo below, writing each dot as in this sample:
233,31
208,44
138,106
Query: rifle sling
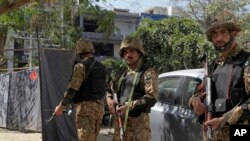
129,100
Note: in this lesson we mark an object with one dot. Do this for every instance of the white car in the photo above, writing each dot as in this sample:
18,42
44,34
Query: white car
171,119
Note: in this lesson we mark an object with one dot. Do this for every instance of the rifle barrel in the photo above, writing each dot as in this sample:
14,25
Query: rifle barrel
208,100
119,119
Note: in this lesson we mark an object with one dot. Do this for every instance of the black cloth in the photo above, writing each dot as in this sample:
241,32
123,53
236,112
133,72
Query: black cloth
56,68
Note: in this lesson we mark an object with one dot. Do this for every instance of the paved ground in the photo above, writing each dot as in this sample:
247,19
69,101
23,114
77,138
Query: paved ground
8,135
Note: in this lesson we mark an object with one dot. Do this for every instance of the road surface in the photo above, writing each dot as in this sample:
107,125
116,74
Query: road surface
9,135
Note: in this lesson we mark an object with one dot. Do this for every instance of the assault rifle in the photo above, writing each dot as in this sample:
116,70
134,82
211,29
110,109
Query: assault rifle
67,110
208,99
119,118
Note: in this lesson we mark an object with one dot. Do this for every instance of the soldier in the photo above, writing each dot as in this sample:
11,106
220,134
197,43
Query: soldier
86,89
136,88
230,75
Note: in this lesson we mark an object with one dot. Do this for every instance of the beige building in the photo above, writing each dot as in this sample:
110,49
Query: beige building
125,23
169,11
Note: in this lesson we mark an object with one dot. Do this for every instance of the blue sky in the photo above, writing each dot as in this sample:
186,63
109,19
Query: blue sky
136,6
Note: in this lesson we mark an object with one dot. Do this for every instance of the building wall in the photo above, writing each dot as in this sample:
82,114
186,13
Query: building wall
158,10
125,23
116,50
125,27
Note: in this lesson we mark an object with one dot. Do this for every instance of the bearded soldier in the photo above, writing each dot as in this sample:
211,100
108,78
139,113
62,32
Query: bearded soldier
230,77
136,89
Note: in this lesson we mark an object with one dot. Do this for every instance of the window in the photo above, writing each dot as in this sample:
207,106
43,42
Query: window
168,90
89,25
191,85
102,49
20,59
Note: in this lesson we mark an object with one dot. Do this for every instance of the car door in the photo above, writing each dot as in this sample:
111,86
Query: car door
171,118
188,121
162,114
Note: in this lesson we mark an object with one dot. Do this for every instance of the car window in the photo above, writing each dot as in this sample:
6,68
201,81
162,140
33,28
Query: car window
191,85
168,90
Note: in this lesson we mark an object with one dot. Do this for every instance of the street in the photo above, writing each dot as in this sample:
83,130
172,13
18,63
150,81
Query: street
9,135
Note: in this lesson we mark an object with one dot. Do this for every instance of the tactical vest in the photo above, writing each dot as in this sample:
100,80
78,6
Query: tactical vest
94,86
228,88
126,86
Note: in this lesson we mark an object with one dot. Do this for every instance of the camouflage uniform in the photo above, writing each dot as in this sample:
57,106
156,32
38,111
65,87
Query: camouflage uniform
138,127
232,116
89,120
89,114
235,114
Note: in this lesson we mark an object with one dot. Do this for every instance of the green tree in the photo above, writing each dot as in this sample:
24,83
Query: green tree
55,20
200,9
173,43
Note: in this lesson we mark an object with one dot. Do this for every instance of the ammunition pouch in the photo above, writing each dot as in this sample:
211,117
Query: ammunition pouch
236,97
221,105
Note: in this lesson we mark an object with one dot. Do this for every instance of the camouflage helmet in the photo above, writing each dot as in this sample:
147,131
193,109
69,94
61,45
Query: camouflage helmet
221,18
131,42
84,46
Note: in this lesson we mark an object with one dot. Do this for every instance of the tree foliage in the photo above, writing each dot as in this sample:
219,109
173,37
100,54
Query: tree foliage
56,20
178,43
173,43
200,9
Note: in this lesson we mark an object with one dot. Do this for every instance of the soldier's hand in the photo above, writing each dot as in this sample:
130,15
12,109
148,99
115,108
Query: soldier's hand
122,110
111,104
198,105
58,110
215,122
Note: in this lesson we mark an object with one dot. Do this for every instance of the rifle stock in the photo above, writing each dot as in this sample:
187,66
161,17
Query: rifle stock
119,119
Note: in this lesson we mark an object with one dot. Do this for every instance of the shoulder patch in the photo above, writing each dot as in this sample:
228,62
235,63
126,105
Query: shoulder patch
148,76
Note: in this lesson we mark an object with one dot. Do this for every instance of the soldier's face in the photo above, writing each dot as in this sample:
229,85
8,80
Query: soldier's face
220,36
131,56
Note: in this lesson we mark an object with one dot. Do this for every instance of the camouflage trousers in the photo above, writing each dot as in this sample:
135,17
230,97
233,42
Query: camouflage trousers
224,133
89,116
137,129
219,135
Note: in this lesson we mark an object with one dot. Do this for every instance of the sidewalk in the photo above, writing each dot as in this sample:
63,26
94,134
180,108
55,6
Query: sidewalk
9,135
105,134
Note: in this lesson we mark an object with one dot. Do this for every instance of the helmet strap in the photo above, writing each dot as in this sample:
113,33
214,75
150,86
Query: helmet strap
227,45
78,57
